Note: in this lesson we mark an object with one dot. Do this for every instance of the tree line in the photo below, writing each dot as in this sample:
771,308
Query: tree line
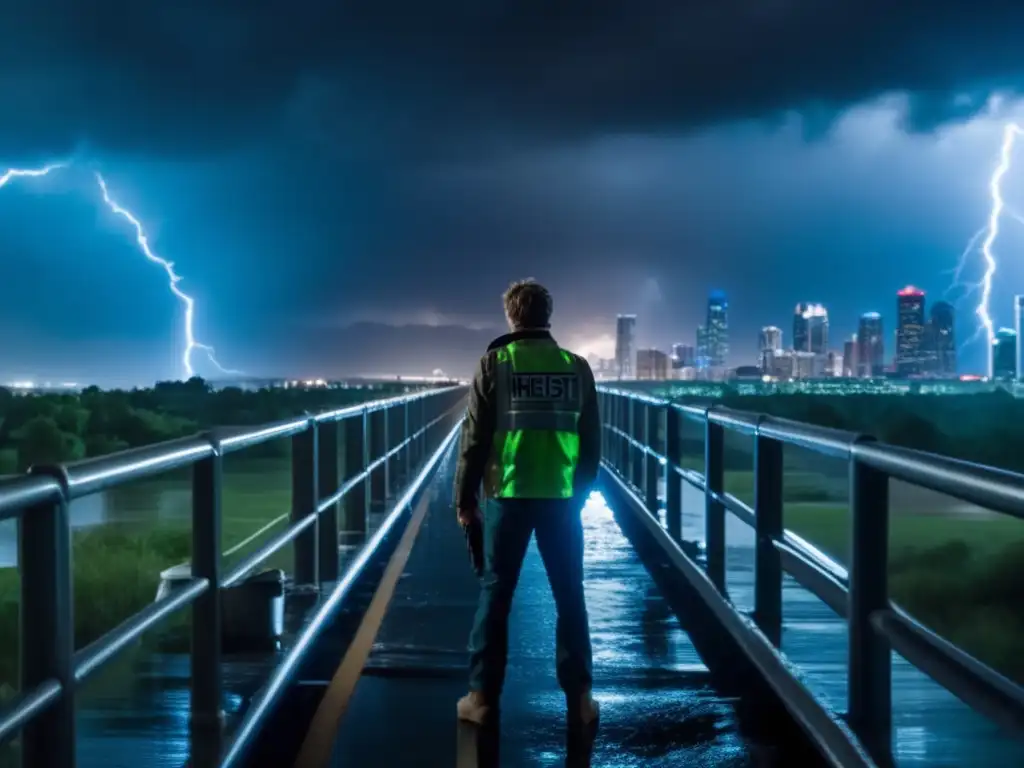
52,428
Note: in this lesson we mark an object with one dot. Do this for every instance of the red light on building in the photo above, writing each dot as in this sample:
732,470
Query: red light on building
910,291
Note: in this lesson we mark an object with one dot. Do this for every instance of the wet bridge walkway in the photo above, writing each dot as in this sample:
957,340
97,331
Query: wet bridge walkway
658,707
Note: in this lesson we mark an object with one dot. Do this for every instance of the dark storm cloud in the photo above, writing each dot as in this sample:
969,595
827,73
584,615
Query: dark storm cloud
193,75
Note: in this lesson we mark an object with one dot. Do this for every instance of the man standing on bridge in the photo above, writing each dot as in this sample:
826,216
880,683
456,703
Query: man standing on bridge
532,436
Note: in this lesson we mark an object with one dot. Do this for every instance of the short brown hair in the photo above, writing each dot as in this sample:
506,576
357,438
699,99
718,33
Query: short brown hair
528,304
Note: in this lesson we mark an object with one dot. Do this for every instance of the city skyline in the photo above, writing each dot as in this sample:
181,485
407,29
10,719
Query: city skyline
923,342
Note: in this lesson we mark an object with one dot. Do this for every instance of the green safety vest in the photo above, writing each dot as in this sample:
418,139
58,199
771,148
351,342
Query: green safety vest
536,442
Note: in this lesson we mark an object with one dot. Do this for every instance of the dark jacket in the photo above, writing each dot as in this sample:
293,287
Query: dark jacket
478,428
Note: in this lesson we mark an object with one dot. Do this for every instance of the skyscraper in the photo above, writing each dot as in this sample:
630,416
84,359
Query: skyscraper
625,339
941,339
910,331
702,347
870,346
1018,321
683,356
770,338
717,330
810,328
1004,355
651,364
850,366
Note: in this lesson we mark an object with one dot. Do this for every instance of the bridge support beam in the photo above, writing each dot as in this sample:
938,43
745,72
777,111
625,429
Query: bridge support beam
47,629
304,502
652,466
206,715
377,438
714,509
673,483
768,477
356,460
636,453
328,480
870,668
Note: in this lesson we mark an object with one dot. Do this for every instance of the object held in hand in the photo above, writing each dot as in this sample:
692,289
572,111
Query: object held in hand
474,532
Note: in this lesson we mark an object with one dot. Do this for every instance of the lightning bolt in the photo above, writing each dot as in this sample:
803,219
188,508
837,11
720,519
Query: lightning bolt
987,237
173,278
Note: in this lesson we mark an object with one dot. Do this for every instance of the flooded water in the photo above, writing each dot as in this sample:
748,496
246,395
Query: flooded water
160,499
931,726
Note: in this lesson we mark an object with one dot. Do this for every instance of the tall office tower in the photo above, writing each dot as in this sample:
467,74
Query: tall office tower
1003,363
625,339
850,366
651,364
702,347
1018,321
910,331
769,345
810,328
717,330
942,339
683,356
769,338
870,346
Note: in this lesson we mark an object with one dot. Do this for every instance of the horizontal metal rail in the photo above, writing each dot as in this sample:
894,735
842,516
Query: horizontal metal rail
636,426
348,461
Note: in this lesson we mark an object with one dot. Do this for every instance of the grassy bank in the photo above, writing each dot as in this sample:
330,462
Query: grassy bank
959,574
117,565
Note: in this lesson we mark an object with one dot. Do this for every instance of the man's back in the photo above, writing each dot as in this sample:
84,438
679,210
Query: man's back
532,417
532,436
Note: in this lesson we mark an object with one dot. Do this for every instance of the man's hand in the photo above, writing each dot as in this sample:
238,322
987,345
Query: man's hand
468,516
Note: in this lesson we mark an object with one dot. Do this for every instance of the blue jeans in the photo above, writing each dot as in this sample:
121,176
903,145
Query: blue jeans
508,526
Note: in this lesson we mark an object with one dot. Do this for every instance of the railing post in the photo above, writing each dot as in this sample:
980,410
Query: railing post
390,420
622,406
768,478
636,430
652,464
327,478
424,419
304,502
47,627
673,483
870,668
357,500
206,716
405,455
714,510
378,424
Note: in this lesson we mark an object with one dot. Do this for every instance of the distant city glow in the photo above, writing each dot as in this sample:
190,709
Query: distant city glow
600,347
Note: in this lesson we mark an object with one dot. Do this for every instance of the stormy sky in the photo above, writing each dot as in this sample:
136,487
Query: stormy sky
348,187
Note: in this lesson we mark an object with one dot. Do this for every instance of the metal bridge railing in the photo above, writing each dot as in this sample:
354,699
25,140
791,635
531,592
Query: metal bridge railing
344,463
641,439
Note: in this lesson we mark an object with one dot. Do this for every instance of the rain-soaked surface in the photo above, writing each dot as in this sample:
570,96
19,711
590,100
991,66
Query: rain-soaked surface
657,708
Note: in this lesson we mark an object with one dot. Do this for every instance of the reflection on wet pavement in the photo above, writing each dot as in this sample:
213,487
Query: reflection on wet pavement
657,706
